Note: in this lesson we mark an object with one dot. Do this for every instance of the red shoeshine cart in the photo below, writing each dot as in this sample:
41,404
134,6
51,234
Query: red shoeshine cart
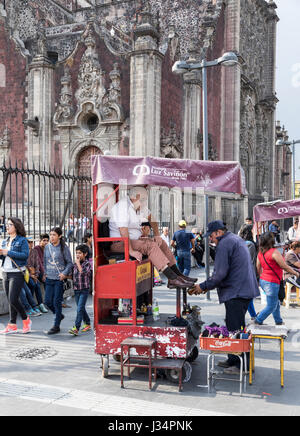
118,277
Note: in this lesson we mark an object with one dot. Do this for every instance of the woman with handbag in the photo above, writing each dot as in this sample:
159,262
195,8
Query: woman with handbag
14,254
58,266
270,265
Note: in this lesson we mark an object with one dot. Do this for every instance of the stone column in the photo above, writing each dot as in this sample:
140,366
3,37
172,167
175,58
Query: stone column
231,88
192,114
270,85
40,109
145,89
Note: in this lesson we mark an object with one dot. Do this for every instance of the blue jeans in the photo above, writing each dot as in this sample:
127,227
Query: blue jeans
251,310
81,299
184,262
273,304
26,298
54,292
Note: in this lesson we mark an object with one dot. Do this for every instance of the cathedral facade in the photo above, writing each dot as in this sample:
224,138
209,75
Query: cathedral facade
95,76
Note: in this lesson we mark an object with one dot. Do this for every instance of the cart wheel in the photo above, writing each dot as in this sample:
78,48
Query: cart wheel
105,366
194,354
173,374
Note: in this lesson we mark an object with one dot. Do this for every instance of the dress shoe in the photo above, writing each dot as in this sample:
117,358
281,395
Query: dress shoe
179,282
188,279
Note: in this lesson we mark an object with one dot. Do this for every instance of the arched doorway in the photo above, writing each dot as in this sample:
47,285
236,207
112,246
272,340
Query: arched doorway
84,186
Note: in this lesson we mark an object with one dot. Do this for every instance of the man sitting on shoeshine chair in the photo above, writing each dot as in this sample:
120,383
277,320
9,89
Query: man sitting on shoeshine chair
127,215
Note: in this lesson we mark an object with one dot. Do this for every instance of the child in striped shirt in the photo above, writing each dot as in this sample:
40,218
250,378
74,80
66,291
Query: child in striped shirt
82,272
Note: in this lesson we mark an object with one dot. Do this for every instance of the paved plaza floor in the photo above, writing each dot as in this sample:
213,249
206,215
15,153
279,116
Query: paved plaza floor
68,380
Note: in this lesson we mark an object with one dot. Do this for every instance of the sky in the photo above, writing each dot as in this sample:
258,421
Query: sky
288,71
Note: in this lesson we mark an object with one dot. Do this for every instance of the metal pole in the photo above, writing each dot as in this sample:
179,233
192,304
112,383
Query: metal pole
205,157
294,171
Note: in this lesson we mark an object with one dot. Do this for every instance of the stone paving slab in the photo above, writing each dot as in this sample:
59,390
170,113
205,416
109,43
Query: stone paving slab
74,372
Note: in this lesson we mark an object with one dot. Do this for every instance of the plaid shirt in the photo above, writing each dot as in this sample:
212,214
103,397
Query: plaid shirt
82,280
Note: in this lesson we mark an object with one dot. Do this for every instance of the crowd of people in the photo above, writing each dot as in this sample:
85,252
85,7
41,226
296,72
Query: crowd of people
27,269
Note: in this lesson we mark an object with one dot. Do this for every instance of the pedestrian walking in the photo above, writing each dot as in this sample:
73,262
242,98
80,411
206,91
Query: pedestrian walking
82,273
58,266
235,280
270,266
72,226
246,234
14,254
184,241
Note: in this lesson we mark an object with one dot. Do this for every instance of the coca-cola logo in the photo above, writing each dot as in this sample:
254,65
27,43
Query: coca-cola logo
222,344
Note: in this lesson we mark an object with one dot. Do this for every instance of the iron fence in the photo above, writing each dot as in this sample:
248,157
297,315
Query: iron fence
44,198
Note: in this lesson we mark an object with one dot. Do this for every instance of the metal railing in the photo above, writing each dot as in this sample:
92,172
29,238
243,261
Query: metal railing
43,198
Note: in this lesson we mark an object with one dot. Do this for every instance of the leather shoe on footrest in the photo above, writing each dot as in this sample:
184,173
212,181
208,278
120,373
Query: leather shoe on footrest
179,282
188,279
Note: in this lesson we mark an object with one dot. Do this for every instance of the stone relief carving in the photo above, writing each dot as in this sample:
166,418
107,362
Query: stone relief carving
65,111
90,76
171,143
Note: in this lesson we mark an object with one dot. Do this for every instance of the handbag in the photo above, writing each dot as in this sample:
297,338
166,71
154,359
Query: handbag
281,293
24,272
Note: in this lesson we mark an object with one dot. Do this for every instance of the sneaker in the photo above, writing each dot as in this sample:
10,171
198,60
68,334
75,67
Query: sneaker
53,331
86,328
232,370
27,326
280,323
10,328
74,331
43,308
36,311
30,313
293,281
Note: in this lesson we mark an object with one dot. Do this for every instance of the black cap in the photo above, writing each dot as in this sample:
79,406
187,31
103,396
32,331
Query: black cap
213,227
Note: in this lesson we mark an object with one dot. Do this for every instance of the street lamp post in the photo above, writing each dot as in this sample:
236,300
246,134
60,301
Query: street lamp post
181,67
292,143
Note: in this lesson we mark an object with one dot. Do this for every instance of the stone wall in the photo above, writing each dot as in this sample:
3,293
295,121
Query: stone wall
12,95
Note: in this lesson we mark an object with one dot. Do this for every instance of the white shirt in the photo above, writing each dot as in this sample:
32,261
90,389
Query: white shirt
8,266
166,239
123,214
292,234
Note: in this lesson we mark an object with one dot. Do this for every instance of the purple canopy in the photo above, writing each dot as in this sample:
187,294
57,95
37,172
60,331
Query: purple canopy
276,210
182,173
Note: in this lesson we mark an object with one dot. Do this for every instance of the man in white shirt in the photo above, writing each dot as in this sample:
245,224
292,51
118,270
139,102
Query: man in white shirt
126,218
165,236
293,232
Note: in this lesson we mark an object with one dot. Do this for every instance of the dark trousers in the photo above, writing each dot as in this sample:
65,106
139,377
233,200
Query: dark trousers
35,290
13,283
198,255
54,292
236,310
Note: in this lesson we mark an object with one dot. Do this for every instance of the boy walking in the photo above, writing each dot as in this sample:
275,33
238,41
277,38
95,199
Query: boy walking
82,272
